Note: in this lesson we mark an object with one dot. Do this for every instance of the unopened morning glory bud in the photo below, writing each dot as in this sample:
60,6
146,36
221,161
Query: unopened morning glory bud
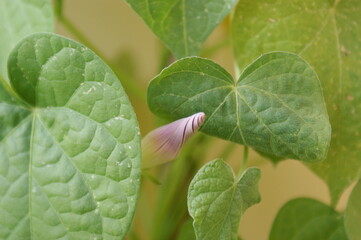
164,143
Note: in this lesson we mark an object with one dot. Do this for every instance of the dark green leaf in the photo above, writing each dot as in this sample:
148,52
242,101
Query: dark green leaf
183,25
69,156
309,219
275,107
353,214
326,33
216,200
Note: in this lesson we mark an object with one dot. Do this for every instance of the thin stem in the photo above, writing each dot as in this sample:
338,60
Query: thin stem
165,57
58,8
79,35
6,85
127,82
244,161
209,51
172,197
227,151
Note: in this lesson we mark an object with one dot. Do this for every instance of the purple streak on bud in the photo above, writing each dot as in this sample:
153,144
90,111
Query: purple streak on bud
166,141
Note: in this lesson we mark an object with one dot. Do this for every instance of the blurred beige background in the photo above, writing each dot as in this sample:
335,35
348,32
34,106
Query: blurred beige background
115,29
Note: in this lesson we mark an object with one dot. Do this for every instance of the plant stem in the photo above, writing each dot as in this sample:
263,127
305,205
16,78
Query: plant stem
58,8
79,35
165,57
244,161
207,52
127,82
5,84
227,150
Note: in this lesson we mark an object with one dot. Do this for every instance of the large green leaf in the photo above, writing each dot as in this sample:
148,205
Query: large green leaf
276,106
183,25
304,218
216,200
19,18
327,33
70,150
353,214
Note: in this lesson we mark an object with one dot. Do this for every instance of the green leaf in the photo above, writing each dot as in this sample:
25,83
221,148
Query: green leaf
326,33
276,106
216,200
19,18
353,213
183,25
305,218
70,154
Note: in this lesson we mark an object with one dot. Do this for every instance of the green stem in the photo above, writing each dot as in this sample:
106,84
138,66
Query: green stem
171,208
127,82
130,84
244,161
6,85
209,51
58,8
165,57
227,151
79,35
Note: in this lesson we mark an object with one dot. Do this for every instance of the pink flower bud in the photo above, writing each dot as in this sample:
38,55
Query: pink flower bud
165,142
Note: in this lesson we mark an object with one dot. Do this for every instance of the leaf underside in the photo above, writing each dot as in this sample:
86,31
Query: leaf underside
183,25
70,149
326,33
276,106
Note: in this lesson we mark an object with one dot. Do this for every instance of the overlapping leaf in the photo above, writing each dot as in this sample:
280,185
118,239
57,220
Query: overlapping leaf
353,214
216,200
276,106
327,33
305,218
70,149
183,25
19,18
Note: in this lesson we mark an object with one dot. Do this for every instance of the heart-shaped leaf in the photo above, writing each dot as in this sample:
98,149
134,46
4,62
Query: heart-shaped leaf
304,218
276,106
70,150
326,33
353,213
19,18
216,200
183,25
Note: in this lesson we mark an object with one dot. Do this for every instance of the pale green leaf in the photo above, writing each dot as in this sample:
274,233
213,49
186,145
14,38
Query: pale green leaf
19,18
304,218
353,214
276,106
216,200
326,33
70,154
183,25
